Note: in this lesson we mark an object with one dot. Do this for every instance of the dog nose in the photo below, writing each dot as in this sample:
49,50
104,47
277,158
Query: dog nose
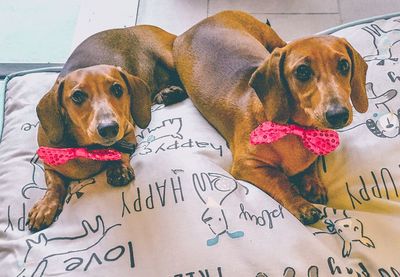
108,129
337,116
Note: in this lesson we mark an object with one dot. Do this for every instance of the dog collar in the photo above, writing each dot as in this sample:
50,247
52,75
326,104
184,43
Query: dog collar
319,142
58,156
125,147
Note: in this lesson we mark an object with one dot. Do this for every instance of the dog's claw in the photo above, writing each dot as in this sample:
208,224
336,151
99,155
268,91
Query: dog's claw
43,214
120,175
309,214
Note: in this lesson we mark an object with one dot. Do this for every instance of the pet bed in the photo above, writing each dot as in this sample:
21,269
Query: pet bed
184,215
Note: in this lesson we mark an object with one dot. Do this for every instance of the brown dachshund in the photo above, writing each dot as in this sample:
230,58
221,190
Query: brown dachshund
103,91
231,61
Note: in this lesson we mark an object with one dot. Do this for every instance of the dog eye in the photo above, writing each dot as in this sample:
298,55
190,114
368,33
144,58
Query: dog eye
117,90
78,97
343,67
303,72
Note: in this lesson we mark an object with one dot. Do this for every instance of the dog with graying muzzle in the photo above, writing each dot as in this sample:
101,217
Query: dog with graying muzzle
88,118
241,75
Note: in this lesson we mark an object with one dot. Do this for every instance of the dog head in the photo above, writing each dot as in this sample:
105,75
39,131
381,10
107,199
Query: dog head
96,105
311,81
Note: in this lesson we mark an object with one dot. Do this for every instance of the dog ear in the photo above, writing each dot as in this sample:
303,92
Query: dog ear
270,86
359,68
49,113
140,99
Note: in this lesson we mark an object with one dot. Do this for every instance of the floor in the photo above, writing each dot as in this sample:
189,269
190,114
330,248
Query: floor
46,31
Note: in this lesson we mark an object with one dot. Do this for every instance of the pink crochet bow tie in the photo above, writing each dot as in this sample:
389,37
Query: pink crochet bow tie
57,156
320,142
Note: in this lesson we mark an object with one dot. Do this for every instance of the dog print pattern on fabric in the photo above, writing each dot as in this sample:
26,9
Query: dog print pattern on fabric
37,178
169,128
76,189
44,252
213,189
384,114
349,229
383,42
168,136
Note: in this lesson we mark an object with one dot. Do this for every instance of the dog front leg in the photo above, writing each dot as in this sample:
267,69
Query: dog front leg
310,186
276,184
120,173
45,210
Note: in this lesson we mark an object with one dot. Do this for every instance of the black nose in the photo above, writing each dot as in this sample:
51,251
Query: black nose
108,129
337,116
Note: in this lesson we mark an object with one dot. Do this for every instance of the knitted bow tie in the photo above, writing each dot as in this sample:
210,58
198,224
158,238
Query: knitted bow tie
319,142
57,156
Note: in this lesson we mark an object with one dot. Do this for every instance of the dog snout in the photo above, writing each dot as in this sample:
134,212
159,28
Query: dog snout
108,130
337,116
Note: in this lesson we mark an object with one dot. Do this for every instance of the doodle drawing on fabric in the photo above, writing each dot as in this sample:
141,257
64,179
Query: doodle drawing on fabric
384,121
213,189
38,183
46,252
168,128
28,126
290,272
383,42
349,229
37,177
76,189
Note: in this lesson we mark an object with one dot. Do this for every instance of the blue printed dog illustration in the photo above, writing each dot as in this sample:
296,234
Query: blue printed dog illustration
213,189
383,42
168,128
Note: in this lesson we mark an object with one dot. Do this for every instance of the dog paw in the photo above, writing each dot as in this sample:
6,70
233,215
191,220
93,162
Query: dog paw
314,193
170,95
43,213
309,186
308,214
120,175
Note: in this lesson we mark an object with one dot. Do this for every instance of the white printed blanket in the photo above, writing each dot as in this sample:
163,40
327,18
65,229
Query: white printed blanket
184,215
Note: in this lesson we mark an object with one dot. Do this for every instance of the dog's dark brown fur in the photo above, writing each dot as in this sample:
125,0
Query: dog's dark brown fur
239,73
105,88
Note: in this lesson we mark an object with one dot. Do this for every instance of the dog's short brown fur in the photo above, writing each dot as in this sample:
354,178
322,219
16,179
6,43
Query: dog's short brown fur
103,91
231,61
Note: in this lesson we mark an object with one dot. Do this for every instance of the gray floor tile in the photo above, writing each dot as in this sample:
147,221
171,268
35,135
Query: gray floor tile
275,6
175,16
358,9
292,26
